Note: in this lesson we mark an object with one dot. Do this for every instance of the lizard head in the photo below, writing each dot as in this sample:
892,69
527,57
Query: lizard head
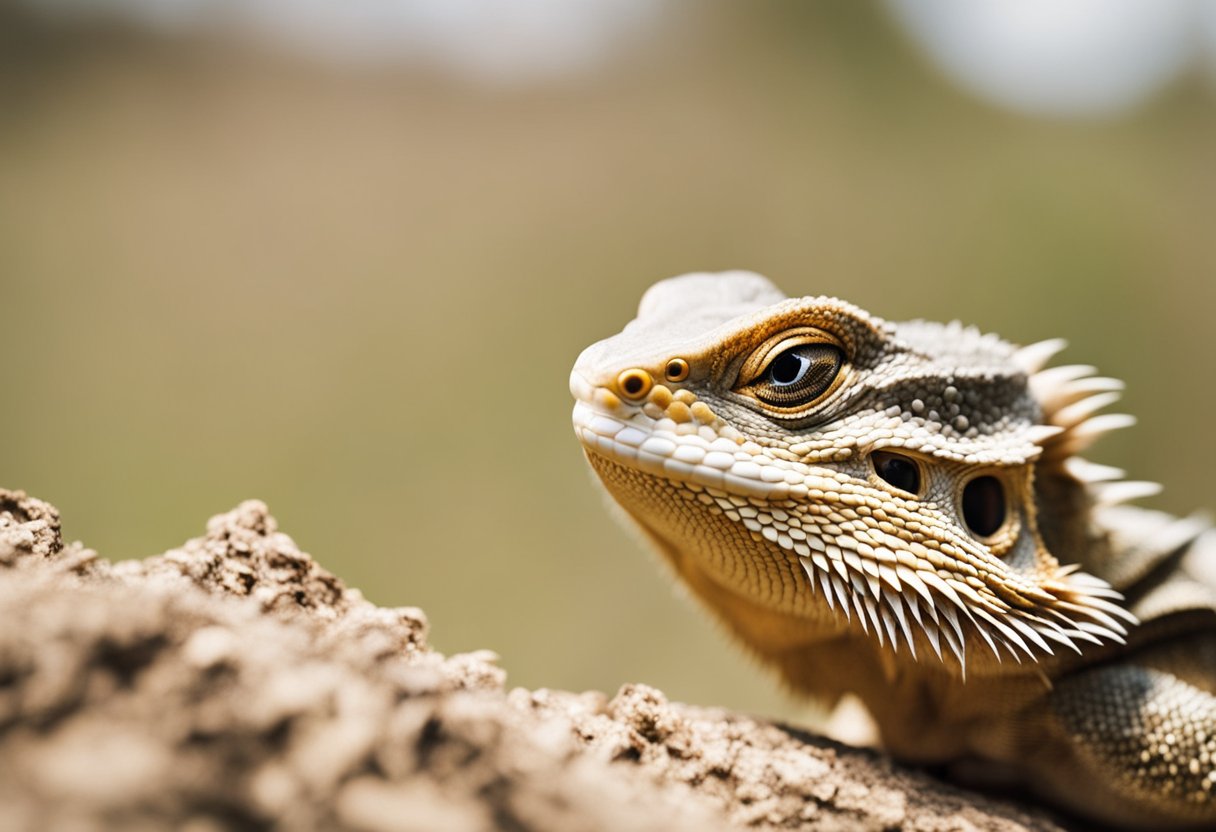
815,461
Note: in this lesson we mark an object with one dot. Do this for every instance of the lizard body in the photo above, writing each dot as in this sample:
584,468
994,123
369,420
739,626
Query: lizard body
899,511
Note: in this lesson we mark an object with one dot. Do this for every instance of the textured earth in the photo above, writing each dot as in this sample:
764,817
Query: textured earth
233,683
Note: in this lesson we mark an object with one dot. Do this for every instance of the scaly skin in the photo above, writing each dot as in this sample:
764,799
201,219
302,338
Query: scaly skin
897,511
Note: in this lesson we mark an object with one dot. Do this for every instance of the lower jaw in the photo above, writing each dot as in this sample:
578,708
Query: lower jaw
714,554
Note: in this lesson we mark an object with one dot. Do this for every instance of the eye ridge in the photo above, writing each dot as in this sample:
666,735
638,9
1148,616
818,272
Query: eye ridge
799,375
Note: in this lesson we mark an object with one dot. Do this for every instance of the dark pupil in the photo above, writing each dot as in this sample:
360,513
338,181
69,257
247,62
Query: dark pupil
897,470
787,367
984,505
799,375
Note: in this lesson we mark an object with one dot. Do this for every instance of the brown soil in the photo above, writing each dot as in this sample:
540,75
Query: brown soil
235,684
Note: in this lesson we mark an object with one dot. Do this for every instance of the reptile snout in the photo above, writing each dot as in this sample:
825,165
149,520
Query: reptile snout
580,387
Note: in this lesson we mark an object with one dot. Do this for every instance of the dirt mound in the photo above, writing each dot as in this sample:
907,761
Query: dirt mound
233,683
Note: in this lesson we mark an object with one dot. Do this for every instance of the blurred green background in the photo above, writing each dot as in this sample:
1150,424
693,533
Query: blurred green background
356,293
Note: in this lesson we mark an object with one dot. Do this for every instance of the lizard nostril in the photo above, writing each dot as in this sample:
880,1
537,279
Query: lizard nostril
677,369
634,384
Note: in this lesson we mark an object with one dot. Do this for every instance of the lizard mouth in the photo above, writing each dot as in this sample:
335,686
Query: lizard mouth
666,437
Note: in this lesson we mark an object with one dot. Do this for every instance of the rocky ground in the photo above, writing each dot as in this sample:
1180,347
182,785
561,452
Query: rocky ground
233,683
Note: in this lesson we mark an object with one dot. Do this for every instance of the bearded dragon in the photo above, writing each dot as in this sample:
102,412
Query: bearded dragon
899,511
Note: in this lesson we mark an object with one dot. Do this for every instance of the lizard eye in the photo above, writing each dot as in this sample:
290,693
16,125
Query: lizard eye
798,375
